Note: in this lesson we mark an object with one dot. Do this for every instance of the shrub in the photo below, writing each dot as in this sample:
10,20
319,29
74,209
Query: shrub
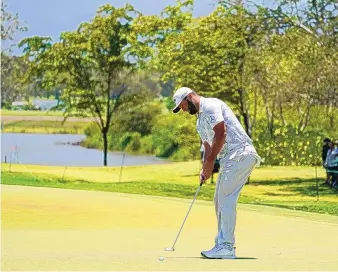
174,136
93,137
134,142
147,145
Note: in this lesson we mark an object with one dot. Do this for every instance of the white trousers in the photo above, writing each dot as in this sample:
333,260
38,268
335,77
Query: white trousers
235,169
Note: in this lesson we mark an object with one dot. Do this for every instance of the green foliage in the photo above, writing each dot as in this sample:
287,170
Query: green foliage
276,67
134,142
13,70
92,63
125,140
10,23
28,107
289,147
169,103
146,145
138,117
209,54
94,138
174,136
169,135
254,58
6,105
131,128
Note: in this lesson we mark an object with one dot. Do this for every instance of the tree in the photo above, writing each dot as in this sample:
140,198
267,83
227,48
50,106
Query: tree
12,71
207,54
316,22
10,23
92,63
12,68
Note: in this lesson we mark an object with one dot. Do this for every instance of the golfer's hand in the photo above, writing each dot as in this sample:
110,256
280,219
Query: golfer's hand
207,168
202,178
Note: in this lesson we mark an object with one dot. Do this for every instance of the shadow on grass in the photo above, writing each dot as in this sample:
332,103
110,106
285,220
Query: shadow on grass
304,187
283,182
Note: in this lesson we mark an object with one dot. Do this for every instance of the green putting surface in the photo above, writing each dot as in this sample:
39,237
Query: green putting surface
46,229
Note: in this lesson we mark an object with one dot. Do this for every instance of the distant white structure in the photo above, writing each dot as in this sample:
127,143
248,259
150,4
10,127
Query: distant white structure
19,103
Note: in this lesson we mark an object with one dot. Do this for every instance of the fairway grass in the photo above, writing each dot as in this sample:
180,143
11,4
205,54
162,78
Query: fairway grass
270,186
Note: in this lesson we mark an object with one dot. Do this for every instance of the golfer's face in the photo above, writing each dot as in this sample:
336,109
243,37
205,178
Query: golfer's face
184,105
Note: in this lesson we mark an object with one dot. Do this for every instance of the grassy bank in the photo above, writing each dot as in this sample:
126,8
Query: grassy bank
30,113
49,127
268,186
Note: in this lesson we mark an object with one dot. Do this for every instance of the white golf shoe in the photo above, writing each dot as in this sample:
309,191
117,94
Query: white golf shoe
221,251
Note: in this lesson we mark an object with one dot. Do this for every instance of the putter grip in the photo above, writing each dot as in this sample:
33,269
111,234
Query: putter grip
201,180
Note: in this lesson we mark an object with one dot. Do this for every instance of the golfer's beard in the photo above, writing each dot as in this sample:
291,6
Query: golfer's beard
191,108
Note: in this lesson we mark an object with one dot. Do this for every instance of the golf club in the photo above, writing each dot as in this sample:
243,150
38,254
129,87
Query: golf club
198,189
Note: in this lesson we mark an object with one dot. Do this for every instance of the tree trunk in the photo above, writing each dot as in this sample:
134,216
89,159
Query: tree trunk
330,114
253,123
269,116
242,97
331,118
248,127
305,118
105,147
245,113
281,112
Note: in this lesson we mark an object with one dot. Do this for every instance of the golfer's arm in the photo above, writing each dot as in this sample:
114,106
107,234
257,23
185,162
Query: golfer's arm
218,141
207,151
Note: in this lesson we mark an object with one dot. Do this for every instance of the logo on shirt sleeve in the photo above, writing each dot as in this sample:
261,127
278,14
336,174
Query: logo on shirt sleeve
212,119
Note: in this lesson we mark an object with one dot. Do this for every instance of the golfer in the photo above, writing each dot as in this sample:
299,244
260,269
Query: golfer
223,137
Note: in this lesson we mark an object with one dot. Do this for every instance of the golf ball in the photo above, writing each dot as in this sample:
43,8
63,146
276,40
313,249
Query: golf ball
161,259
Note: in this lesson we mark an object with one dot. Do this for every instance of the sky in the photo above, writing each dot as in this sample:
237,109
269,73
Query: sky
51,17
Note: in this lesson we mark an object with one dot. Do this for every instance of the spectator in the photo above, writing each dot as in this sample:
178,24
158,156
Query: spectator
335,183
324,155
331,164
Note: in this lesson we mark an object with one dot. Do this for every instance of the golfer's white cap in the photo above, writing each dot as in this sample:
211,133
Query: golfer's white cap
179,95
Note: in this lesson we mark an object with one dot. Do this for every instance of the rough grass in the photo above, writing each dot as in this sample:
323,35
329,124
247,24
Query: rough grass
280,189
178,172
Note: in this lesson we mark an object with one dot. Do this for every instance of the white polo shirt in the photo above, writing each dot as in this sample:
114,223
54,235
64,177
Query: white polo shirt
213,111
332,158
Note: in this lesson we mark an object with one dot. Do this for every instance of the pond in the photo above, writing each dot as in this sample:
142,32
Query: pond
62,149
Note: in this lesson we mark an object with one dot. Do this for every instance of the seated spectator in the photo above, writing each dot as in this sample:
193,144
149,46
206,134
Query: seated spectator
331,164
324,154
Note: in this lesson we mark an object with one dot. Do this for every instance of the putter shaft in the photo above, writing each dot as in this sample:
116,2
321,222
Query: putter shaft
198,189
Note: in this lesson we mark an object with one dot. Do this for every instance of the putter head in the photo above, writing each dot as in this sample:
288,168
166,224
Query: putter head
169,249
